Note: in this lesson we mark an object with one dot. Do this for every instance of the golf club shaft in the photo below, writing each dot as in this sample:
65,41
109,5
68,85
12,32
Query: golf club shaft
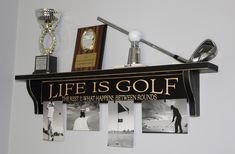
169,124
177,57
112,25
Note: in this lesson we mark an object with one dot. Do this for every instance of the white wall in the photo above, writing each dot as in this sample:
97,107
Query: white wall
8,17
179,26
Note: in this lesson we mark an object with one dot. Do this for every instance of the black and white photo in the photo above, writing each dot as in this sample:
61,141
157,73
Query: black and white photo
121,124
165,116
83,116
53,121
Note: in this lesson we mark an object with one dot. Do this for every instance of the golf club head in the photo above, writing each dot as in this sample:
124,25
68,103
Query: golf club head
206,51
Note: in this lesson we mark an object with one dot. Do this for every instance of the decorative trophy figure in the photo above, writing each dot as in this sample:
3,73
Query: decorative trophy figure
48,20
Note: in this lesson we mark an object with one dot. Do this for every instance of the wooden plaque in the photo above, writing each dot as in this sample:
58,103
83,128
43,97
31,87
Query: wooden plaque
89,48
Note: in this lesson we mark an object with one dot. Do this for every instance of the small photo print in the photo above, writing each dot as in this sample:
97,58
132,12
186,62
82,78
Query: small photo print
165,116
53,121
121,124
83,116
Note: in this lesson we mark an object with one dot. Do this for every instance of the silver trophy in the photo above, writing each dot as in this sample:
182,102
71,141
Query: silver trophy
48,20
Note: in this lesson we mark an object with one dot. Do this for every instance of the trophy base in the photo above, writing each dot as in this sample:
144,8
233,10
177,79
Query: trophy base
45,64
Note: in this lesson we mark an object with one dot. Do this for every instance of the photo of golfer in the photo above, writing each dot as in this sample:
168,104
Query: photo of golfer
50,114
177,119
165,116
53,121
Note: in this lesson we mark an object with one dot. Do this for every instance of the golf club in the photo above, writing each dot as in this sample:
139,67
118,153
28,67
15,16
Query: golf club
166,126
169,124
206,51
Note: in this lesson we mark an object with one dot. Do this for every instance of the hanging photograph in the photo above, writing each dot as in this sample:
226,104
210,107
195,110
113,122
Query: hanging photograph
53,121
83,116
121,124
165,116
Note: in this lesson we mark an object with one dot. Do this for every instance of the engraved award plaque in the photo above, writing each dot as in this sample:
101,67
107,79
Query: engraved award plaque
89,48
48,20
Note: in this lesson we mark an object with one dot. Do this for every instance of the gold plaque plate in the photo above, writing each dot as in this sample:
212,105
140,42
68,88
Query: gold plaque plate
85,60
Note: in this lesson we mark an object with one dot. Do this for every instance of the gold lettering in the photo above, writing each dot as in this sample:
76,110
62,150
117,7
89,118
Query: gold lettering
170,85
146,86
51,92
94,87
60,90
80,86
153,87
104,85
122,90
68,88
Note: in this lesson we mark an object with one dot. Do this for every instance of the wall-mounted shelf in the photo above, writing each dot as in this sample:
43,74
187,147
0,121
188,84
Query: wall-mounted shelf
189,73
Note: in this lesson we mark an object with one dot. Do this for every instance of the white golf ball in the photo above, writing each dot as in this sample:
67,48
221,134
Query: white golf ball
134,36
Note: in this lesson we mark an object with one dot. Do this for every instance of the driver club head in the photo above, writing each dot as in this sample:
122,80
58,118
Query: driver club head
206,51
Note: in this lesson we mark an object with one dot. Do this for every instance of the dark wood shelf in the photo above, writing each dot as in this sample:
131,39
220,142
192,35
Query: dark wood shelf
187,74
204,67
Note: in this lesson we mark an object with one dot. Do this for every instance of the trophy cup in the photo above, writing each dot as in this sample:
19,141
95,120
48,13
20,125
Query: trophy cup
48,20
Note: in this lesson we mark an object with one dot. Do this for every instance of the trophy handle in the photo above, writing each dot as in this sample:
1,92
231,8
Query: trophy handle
51,48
